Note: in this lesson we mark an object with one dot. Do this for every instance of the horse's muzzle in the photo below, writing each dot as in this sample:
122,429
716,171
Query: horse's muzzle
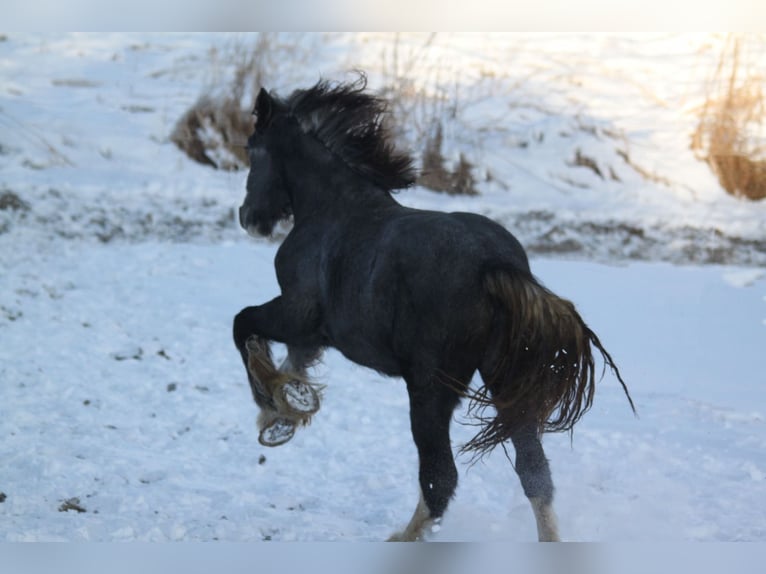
254,223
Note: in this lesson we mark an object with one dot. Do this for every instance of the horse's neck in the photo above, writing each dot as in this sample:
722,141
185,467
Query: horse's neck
332,190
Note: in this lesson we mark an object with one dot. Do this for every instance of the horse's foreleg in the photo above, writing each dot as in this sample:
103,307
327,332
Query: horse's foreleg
288,387
286,399
290,322
299,359
431,409
535,475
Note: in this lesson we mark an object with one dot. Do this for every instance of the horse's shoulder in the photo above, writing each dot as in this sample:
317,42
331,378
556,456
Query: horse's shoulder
297,255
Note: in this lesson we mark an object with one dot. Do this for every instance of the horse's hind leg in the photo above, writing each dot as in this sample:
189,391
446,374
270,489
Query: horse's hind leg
431,409
535,475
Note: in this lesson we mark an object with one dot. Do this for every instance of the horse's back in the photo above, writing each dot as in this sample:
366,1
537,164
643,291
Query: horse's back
499,246
455,244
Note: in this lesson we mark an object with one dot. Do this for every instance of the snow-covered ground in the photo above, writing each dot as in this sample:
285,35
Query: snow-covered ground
122,267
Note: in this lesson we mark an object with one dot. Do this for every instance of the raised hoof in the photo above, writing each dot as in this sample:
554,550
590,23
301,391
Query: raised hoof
277,433
298,399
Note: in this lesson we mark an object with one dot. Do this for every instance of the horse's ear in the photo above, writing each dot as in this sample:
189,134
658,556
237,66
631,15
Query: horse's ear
264,107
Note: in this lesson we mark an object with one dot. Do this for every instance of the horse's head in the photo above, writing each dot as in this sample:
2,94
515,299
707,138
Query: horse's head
267,201
348,148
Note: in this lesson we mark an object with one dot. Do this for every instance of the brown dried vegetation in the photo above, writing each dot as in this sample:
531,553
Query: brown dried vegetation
727,136
215,129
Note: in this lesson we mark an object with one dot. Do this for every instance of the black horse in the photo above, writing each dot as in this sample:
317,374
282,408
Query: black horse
427,296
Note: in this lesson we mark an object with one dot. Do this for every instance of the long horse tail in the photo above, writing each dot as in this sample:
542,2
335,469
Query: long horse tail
539,368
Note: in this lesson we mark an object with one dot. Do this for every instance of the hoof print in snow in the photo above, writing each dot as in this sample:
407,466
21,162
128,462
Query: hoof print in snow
261,460
11,314
72,504
134,354
277,433
3,497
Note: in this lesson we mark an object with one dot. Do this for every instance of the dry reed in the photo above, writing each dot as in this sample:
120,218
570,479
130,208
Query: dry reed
729,133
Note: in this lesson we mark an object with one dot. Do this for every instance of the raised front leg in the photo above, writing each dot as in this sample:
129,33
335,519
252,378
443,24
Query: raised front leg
285,396
289,392
535,475
431,407
299,359
293,321
291,398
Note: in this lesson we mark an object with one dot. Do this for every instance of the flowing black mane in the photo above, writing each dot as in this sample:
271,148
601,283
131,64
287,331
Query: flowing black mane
349,122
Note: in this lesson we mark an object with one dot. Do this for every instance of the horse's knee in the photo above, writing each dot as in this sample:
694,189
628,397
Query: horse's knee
241,328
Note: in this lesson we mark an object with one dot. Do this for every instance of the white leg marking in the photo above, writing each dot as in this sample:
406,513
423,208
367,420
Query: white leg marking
420,521
547,526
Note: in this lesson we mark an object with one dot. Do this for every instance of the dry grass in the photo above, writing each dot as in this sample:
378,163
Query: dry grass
9,201
215,129
213,132
418,118
727,137
434,174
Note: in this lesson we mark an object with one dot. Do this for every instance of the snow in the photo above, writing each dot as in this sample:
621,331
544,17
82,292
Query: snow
743,277
120,386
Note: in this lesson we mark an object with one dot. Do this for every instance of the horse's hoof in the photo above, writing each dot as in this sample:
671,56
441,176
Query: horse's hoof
299,398
277,433
401,537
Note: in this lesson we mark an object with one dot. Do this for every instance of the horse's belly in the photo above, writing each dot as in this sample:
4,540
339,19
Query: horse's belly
360,349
